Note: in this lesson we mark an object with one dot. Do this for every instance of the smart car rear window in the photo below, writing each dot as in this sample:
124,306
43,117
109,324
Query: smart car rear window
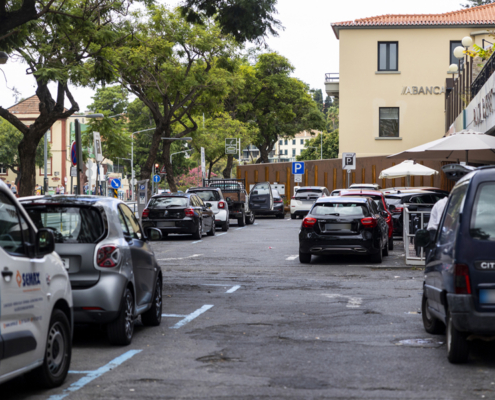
208,195
483,213
69,224
159,202
346,210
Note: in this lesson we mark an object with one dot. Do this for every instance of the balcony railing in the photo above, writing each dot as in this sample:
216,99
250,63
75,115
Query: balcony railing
331,77
485,73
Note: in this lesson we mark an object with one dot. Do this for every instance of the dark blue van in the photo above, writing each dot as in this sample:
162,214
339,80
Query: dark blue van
459,286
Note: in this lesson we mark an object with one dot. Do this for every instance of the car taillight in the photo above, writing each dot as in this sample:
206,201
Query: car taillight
461,279
107,256
146,213
293,197
369,222
398,210
189,212
308,222
221,204
278,201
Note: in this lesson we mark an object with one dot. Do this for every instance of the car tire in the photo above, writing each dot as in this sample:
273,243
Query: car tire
457,344
304,258
377,258
153,317
121,330
385,249
391,243
198,234
53,371
293,216
212,231
242,220
251,219
225,226
431,324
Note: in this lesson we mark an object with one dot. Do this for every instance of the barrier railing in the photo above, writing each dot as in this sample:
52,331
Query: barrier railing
413,221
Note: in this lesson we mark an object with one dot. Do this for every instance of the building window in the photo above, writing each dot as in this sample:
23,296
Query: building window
286,152
293,152
280,142
389,122
388,56
293,141
3,170
48,168
286,142
453,59
302,141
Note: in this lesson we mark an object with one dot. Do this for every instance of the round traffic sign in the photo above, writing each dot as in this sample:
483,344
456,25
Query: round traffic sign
73,154
156,178
115,183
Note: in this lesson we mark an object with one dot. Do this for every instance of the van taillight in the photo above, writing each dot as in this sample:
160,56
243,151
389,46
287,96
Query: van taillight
107,256
189,212
308,222
369,222
221,204
146,213
461,279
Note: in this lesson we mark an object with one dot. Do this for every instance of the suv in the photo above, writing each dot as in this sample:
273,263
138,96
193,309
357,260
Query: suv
219,206
459,286
304,198
112,269
35,299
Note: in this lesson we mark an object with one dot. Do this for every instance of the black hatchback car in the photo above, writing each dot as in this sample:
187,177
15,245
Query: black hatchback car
344,225
459,286
179,213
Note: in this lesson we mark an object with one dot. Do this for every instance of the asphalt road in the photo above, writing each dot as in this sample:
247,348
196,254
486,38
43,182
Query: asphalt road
246,320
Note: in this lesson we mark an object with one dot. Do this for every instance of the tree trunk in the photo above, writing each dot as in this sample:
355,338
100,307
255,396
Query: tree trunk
228,169
209,170
263,154
168,165
155,144
27,155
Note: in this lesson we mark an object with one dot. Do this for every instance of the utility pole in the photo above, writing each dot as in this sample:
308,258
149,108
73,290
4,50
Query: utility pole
45,151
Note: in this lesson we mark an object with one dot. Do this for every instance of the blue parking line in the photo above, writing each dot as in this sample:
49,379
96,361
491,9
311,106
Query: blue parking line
191,316
92,375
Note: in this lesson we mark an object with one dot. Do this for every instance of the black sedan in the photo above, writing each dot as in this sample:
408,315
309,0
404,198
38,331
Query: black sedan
344,225
179,213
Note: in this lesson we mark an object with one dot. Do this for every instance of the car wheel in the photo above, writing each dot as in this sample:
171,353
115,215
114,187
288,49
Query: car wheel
198,234
58,353
391,243
293,216
457,345
242,220
385,249
153,317
225,226
304,258
431,324
121,330
377,257
212,231
250,220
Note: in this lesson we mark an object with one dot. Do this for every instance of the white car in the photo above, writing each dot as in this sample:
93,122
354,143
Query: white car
35,299
367,186
304,198
219,206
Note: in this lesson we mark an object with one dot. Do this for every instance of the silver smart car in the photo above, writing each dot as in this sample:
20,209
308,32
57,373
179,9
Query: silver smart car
112,269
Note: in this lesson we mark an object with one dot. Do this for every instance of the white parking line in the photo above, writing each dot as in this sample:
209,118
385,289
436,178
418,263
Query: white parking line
180,258
354,302
290,258
255,223
197,241
240,228
92,375
233,289
222,234
188,318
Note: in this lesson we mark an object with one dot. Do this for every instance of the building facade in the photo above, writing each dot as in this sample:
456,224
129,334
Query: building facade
394,77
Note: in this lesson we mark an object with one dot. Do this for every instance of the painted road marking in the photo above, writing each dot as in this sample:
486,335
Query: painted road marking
290,258
233,289
92,375
255,223
180,258
222,234
196,241
238,229
188,318
354,302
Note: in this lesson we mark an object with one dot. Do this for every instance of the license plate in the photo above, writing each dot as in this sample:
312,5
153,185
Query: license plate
65,261
487,296
165,224
337,227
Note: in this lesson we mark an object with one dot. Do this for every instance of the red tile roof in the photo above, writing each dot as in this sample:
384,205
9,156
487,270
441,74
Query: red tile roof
481,15
31,105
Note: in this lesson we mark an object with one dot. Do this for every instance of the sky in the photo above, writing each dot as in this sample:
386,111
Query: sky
307,41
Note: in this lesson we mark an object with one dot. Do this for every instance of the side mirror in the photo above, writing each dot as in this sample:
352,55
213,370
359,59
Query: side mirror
422,238
208,205
45,242
384,214
154,234
391,207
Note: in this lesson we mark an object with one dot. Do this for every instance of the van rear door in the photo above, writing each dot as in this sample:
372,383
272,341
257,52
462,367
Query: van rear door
261,197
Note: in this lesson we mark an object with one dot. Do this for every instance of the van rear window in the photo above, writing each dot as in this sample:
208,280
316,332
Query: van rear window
69,224
483,214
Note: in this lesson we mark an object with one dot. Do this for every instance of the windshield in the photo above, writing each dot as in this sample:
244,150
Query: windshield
392,200
483,214
261,188
159,202
69,224
312,191
346,210
208,195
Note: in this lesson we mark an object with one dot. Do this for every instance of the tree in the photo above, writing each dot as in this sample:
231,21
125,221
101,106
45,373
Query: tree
10,138
476,3
114,99
318,98
330,147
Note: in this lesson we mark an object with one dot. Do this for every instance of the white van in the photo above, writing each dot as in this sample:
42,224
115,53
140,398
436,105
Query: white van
35,299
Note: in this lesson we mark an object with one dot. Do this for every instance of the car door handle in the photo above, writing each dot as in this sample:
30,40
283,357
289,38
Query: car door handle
8,273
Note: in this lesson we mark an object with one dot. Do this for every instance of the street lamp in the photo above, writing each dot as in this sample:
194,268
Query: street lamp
3,57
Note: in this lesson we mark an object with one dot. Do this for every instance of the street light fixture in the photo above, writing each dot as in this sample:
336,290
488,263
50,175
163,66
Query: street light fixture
3,57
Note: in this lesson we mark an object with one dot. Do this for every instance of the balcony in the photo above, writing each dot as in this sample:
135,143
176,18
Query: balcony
332,84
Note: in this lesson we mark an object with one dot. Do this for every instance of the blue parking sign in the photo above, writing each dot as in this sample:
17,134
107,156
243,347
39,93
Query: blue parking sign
298,168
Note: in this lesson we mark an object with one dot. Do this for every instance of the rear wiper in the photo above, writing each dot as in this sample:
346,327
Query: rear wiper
336,214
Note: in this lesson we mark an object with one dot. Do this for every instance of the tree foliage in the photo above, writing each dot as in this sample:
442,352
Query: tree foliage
330,146
476,3
114,99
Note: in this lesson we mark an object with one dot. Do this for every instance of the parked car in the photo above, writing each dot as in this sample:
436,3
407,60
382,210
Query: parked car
179,213
459,285
379,199
112,269
219,206
261,200
344,225
278,204
304,198
336,192
369,186
36,316
411,189
421,201
237,198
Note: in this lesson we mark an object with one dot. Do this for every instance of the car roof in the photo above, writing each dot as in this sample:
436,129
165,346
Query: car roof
172,195
412,193
311,187
73,199
350,192
198,189
339,199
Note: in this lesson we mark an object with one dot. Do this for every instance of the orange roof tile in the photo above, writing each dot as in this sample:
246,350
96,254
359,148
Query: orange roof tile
31,105
475,16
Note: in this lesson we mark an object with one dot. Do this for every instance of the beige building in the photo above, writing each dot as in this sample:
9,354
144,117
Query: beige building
289,149
394,76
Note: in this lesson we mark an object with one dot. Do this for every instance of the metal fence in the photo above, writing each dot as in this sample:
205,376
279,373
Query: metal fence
413,221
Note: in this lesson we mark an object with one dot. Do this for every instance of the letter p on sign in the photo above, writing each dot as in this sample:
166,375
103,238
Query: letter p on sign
297,168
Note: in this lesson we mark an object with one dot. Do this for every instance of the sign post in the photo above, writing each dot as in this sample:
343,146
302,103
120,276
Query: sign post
231,146
298,168
115,184
73,169
99,158
349,164
142,198
203,164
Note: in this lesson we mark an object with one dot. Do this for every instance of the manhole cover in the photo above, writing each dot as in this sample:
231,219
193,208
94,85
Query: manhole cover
428,342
